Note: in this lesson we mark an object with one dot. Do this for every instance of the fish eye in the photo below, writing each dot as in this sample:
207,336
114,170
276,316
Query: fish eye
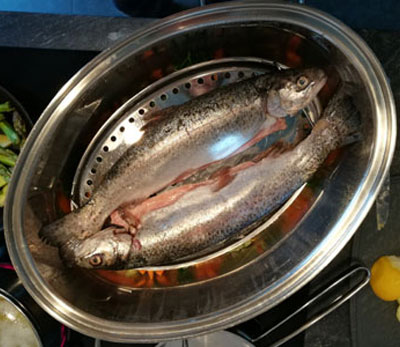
302,81
96,260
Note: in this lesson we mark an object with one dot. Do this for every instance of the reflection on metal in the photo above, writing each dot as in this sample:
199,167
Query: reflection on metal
383,204
338,299
218,339
226,146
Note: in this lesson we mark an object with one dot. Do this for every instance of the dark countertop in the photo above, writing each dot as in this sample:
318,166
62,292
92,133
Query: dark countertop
84,33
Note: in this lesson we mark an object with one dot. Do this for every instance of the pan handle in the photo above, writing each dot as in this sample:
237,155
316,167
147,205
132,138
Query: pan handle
340,296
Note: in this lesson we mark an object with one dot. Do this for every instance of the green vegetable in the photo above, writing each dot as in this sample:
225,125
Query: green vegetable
22,143
9,131
5,173
3,194
185,275
19,124
3,182
186,62
7,157
4,141
6,107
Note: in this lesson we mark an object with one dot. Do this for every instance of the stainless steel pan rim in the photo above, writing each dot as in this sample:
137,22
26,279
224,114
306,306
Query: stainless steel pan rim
339,35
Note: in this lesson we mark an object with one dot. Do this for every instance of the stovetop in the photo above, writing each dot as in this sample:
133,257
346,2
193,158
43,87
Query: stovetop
34,76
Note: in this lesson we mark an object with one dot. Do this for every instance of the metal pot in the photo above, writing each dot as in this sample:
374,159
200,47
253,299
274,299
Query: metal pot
44,328
288,258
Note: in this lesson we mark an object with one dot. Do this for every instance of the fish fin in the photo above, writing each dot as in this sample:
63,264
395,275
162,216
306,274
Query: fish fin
225,177
183,176
151,122
155,117
159,113
134,221
274,151
125,221
118,231
278,124
57,232
354,137
221,171
117,219
136,245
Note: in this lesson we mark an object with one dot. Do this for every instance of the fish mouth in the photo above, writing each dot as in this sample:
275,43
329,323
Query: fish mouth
67,253
320,81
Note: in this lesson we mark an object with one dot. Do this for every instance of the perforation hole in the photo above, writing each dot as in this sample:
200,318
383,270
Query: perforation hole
89,182
175,90
227,75
105,148
163,97
99,159
131,120
113,138
200,81
152,104
187,85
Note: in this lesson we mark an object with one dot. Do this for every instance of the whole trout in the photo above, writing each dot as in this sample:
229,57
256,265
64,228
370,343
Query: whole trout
183,138
206,214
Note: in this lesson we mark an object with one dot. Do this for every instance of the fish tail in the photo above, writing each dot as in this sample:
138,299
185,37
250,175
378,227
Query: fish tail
60,231
343,115
55,233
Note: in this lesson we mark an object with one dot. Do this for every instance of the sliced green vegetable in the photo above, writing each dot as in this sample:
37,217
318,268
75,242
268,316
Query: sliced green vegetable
3,182
9,131
3,194
7,157
19,124
5,141
7,160
5,173
6,107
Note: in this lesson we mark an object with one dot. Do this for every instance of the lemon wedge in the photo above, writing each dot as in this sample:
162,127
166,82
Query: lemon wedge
398,311
385,278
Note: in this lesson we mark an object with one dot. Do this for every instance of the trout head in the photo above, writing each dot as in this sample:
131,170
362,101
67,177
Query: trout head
292,90
107,249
